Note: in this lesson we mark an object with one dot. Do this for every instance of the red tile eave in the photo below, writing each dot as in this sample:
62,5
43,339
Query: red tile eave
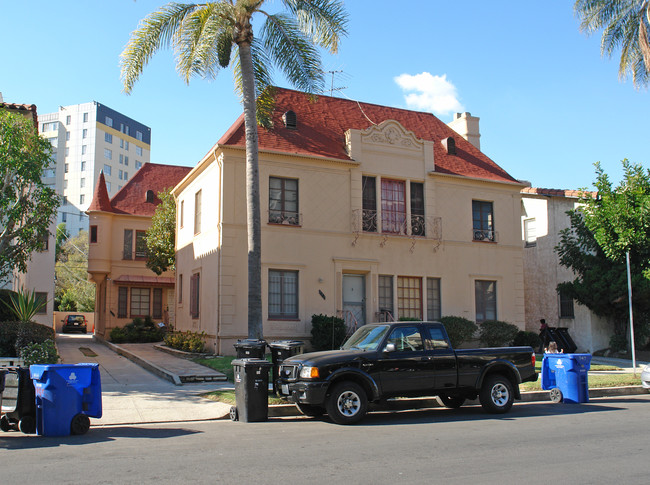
558,192
23,107
322,125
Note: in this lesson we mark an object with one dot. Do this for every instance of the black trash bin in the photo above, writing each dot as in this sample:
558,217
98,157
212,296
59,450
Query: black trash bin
250,348
251,390
18,401
280,350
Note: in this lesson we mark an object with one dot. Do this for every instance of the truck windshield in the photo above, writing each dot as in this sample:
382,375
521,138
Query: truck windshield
367,337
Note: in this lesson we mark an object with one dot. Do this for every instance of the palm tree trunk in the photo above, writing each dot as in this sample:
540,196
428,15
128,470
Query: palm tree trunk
253,224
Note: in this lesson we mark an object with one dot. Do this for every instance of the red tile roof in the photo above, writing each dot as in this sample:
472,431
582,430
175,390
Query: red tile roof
132,198
23,107
101,201
321,127
557,192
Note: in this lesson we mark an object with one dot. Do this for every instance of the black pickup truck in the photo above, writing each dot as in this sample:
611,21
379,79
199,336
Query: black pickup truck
403,359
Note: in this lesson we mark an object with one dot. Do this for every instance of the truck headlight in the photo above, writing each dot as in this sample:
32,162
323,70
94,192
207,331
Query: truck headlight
308,372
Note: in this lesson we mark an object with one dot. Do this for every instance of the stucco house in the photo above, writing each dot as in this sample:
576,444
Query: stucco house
39,276
125,287
368,212
543,217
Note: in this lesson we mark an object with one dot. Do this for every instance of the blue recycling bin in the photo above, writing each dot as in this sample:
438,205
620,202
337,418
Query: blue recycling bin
66,395
566,376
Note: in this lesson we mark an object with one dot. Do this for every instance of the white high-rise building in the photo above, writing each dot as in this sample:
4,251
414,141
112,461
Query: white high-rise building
87,139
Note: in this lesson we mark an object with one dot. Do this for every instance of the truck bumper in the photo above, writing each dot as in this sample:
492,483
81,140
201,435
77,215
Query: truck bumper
304,392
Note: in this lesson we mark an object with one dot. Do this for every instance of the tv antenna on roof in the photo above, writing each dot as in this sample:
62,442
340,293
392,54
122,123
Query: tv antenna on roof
332,88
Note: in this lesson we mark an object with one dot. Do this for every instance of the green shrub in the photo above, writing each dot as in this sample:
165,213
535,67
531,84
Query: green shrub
186,341
16,335
618,343
138,331
528,339
459,329
39,353
6,313
494,333
327,332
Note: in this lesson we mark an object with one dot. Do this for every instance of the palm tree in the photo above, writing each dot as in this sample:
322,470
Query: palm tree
203,37
625,24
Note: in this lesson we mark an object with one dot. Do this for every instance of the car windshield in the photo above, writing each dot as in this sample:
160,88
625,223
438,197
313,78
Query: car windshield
367,337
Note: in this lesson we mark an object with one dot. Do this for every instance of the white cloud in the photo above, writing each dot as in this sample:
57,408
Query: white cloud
426,92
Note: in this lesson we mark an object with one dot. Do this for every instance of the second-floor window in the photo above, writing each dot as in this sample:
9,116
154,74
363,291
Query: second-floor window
283,201
483,220
140,245
197,212
393,206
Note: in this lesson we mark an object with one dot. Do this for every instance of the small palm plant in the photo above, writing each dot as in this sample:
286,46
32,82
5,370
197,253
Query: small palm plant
25,305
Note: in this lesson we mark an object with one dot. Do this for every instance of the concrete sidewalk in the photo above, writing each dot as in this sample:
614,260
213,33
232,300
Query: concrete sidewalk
131,394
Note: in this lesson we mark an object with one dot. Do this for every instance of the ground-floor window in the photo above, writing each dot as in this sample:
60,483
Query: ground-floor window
566,306
386,294
41,301
434,307
122,301
409,297
283,294
194,295
157,303
486,300
140,302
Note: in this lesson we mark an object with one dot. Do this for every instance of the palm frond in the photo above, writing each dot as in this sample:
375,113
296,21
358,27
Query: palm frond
154,32
323,21
293,53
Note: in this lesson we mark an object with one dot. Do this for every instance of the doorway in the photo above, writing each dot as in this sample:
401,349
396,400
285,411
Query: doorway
354,297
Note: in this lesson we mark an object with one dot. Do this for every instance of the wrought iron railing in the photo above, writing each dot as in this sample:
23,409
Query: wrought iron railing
285,217
368,222
351,322
484,235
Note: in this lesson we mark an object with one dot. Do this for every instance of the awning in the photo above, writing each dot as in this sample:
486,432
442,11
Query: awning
136,280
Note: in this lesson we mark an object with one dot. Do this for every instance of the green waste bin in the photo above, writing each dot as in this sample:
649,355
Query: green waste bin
251,390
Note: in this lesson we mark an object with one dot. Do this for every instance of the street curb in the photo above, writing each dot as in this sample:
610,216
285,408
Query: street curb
145,364
287,410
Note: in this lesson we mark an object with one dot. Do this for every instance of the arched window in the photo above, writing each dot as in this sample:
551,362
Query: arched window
150,196
290,120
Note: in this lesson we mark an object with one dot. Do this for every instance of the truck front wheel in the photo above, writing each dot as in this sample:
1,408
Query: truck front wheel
496,394
347,404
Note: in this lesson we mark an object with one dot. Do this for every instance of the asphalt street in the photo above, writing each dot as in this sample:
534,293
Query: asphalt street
603,441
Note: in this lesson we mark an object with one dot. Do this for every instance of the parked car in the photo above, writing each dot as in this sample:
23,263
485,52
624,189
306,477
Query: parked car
403,359
75,323
645,377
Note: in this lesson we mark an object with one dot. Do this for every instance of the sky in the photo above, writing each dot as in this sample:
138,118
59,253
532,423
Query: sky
549,105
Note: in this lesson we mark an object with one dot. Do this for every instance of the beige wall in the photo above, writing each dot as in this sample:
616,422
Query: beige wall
106,265
328,244
543,272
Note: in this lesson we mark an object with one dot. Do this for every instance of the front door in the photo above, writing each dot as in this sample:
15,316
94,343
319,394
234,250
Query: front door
354,297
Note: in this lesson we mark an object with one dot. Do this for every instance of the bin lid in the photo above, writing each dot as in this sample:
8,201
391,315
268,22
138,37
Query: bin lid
251,362
250,343
286,344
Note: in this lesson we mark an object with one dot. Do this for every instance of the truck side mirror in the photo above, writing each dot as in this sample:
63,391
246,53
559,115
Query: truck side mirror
390,348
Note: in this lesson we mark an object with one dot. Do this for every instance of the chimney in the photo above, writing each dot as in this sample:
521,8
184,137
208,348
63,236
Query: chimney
1,97
466,126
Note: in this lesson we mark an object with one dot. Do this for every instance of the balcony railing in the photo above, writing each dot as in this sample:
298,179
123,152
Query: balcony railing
368,222
285,217
484,235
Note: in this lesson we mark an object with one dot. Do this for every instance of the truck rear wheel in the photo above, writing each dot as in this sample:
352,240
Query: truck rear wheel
496,394
347,404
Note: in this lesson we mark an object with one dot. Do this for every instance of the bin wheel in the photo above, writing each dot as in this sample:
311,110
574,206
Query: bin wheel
27,425
80,424
556,395
5,425
234,415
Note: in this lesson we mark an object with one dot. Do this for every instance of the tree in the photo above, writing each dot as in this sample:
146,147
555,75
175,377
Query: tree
161,236
73,292
601,275
27,206
619,217
203,37
625,25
